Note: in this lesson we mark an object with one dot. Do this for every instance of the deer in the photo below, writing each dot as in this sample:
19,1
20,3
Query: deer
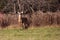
22,18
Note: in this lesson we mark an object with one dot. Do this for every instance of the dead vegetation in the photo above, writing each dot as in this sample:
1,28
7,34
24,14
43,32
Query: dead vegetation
49,18
37,19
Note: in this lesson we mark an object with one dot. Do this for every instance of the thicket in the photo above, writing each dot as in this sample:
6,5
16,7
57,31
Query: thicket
27,5
42,12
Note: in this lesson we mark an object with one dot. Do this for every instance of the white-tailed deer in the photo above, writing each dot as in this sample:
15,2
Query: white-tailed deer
24,20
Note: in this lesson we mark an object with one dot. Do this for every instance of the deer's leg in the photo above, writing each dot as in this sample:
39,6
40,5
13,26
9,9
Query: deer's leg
25,26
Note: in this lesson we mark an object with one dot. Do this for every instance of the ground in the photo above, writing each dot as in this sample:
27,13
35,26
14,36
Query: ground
40,33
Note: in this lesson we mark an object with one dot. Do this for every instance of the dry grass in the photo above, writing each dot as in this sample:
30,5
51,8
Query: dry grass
38,19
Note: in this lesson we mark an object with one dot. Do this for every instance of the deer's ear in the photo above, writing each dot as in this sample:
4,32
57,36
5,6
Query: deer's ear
19,13
22,12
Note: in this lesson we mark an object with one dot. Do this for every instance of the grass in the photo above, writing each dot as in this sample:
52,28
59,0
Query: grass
42,33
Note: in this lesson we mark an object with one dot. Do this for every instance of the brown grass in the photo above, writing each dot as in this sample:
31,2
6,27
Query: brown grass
38,19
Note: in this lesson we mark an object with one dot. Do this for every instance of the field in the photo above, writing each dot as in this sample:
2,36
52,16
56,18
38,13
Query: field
42,33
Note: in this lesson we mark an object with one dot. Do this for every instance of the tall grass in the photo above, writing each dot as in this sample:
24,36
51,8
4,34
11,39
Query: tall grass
37,19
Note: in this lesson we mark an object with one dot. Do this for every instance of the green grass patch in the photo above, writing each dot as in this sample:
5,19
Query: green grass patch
42,33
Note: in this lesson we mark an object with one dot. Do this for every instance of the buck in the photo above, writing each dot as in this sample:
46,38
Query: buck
22,18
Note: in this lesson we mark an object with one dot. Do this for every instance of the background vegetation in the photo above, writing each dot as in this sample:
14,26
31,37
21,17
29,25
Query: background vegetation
43,5
41,12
